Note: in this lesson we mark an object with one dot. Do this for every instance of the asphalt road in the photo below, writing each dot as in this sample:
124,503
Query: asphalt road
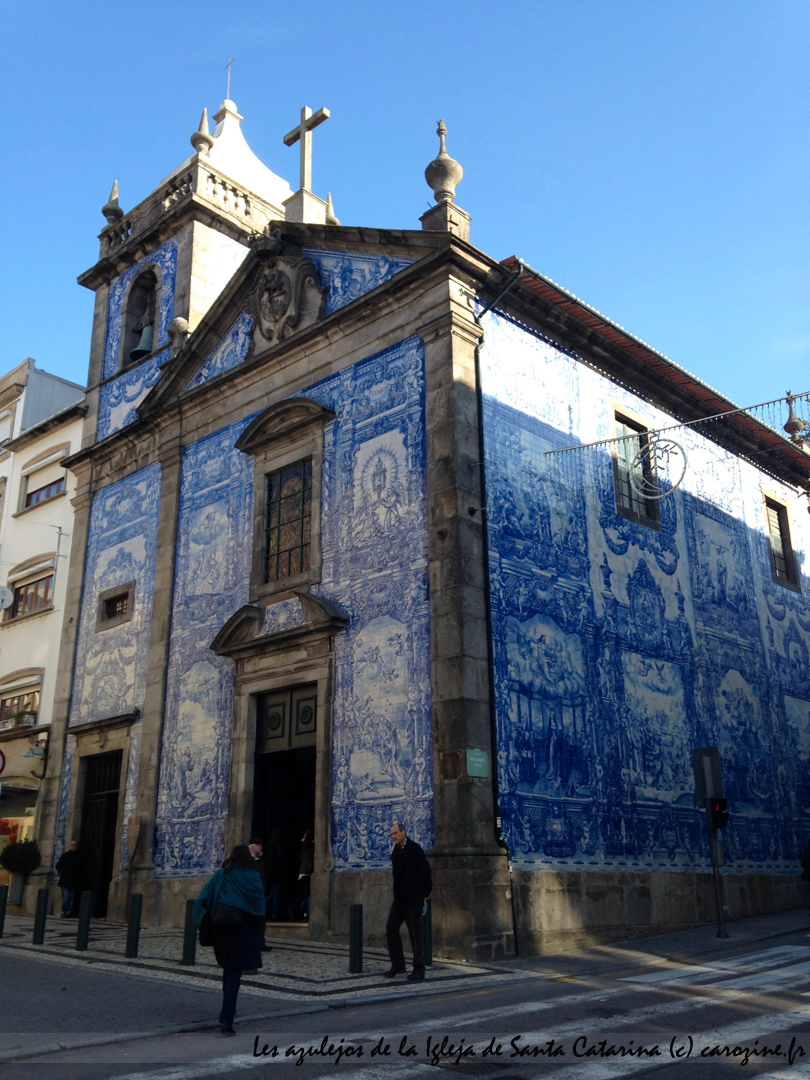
564,1013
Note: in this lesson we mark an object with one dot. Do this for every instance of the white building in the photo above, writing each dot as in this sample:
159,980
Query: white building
40,425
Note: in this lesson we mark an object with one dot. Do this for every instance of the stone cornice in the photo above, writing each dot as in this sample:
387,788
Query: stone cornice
122,720
45,427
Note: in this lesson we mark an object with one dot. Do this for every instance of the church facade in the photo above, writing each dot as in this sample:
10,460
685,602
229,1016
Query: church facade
328,572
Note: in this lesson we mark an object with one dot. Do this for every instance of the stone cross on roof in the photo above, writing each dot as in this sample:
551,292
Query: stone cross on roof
304,133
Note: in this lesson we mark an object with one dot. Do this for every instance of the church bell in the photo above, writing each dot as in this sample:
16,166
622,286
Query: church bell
144,346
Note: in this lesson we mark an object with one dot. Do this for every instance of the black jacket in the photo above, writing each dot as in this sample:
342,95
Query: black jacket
240,945
412,877
69,869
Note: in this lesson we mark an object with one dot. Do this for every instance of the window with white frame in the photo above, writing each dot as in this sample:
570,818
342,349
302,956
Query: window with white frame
31,584
20,698
43,478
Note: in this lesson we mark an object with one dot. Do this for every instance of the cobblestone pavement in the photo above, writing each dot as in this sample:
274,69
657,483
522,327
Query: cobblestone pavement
294,969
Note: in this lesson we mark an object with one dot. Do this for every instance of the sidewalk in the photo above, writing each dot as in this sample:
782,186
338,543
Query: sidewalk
294,972
297,977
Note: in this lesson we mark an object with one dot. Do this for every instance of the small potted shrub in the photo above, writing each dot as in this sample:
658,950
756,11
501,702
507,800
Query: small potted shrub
20,859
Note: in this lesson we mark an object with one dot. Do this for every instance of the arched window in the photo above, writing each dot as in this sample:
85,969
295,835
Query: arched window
139,338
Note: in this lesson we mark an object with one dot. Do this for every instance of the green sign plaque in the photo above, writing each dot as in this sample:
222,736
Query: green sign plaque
477,763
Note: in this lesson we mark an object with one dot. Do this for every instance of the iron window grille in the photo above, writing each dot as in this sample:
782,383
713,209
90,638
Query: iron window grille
288,530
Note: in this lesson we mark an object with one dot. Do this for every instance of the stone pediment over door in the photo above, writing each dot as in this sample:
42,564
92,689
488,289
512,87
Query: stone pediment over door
252,629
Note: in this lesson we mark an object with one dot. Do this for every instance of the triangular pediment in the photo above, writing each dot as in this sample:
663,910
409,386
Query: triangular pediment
292,279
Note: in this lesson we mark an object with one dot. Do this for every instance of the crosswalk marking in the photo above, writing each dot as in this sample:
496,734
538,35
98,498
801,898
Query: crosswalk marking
590,997
776,973
743,1032
693,973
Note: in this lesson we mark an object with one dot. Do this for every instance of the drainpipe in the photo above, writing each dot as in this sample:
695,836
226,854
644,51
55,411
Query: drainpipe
488,600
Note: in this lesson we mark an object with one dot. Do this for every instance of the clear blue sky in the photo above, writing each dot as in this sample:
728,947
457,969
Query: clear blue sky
653,158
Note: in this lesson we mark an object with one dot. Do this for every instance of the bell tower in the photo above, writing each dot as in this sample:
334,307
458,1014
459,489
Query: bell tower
163,263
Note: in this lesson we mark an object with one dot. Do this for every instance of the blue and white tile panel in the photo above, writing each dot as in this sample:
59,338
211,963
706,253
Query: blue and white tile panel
231,351
348,276
620,648
212,576
165,260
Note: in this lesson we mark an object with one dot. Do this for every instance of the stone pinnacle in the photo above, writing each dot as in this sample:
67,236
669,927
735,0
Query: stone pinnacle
201,140
111,210
330,211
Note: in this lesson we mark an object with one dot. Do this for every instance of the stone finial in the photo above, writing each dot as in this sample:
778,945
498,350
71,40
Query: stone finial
330,211
178,332
111,210
443,174
201,140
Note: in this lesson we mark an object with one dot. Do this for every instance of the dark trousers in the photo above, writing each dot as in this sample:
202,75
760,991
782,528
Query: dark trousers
411,915
231,977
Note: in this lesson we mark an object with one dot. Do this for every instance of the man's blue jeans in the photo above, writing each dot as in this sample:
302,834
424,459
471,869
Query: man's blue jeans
67,899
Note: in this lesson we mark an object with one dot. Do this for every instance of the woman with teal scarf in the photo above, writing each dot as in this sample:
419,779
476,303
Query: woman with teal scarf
235,898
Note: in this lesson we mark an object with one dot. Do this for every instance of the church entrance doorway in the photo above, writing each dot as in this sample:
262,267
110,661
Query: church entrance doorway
102,780
284,794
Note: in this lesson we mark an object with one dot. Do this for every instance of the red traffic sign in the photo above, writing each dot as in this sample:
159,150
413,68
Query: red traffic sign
2,761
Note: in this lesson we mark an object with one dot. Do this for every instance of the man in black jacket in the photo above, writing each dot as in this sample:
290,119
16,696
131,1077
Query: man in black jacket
69,869
412,884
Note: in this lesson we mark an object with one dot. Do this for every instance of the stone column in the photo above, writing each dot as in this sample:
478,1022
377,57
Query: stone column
51,786
171,454
471,902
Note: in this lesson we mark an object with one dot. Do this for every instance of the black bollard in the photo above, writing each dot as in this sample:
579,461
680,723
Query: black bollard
356,939
41,916
189,936
134,925
83,928
427,934
3,903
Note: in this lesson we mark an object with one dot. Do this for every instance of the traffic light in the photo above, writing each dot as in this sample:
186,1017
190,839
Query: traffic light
718,813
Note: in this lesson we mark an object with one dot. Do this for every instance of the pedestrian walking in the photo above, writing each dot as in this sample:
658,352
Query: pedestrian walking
255,845
235,898
306,866
274,863
412,884
69,869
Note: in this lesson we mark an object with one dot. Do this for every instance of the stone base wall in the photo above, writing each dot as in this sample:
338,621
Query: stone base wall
558,910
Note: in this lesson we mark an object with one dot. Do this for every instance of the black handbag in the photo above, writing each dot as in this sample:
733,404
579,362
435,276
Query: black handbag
207,921
226,918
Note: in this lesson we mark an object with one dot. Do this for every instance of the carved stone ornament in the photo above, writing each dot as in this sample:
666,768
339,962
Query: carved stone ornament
288,296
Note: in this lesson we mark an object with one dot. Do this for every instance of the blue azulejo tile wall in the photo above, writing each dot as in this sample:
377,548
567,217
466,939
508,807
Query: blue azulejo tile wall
229,352
349,275
110,672
375,566
212,575
110,669
619,648
119,399
165,260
